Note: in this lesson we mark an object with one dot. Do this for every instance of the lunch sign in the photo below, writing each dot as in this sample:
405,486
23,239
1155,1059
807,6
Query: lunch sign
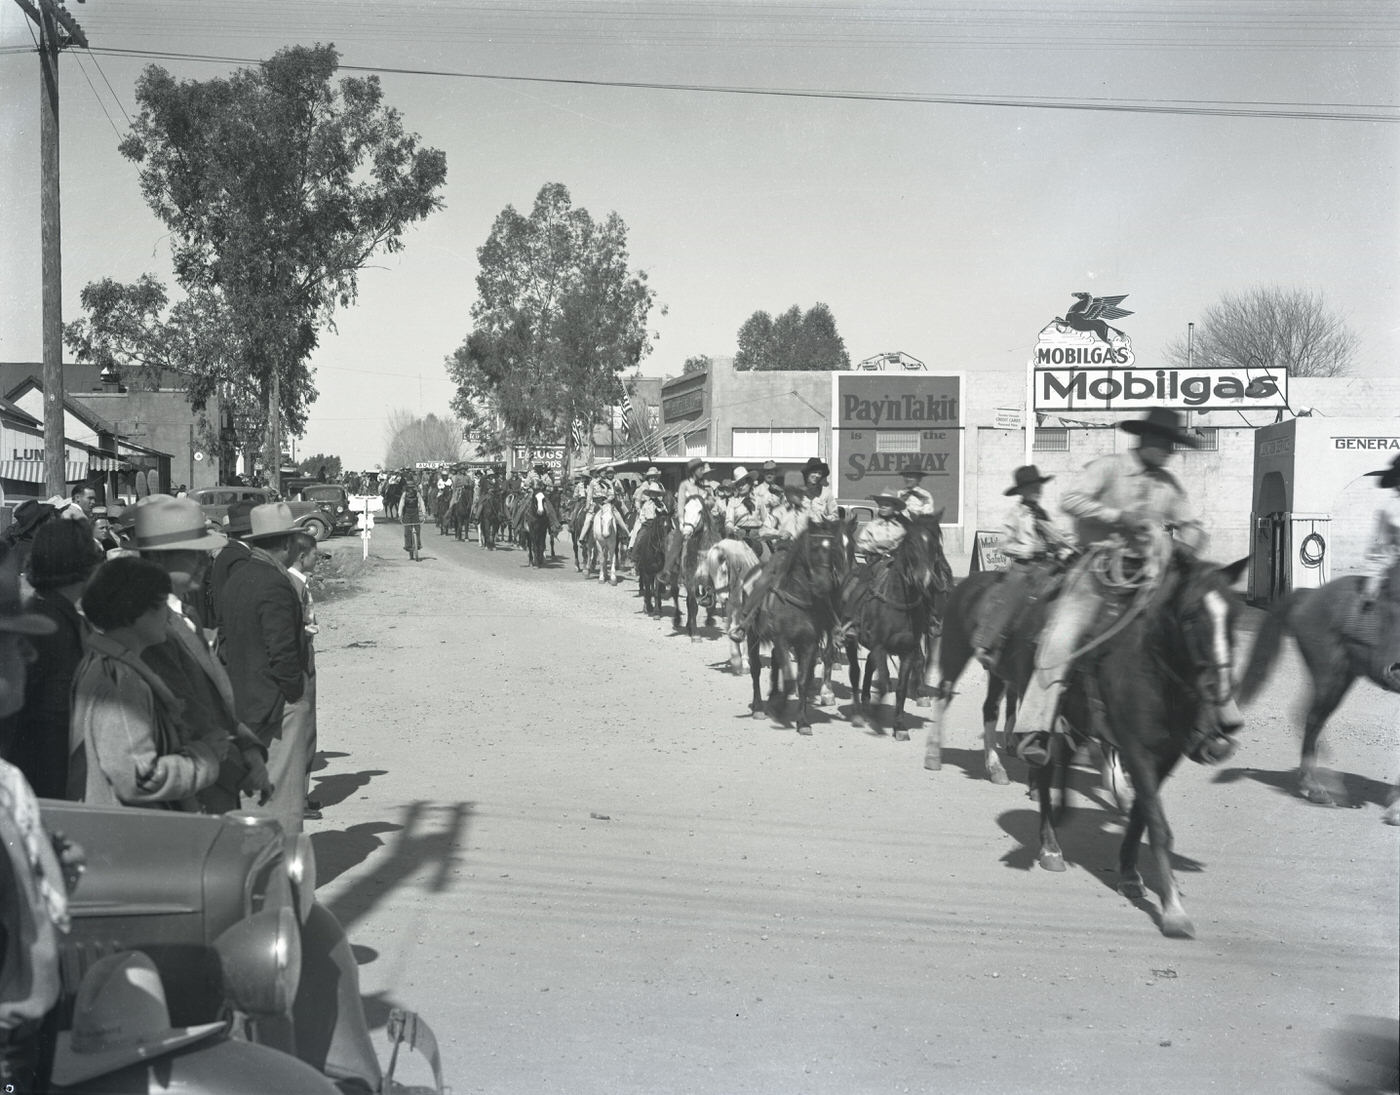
1081,363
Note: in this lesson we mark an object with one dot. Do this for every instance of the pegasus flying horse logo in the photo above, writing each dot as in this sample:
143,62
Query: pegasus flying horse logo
1088,314
1083,336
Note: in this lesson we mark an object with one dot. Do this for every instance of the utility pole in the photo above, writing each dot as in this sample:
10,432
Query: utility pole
57,30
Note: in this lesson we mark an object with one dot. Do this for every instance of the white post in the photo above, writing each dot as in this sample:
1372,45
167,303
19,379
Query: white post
1028,423
366,523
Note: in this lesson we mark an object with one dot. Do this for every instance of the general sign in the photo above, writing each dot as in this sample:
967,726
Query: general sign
1110,388
884,423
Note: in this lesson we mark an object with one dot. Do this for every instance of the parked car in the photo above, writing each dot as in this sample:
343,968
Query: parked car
215,501
219,904
333,499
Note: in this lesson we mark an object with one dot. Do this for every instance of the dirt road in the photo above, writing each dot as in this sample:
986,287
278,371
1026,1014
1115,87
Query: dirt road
551,826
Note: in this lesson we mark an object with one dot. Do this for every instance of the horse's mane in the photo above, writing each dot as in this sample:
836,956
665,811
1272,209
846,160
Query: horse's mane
698,543
733,555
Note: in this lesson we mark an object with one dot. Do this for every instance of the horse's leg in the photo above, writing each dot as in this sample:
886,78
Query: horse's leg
853,674
1147,812
806,663
1392,806
691,609
777,668
952,660
1042,779
1321,789
755,674
872,660
901,692
991,756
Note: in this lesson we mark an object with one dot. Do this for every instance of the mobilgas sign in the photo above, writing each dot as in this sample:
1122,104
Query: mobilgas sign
1117,389
885,423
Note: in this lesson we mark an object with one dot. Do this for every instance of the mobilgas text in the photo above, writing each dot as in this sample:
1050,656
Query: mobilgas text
1109,388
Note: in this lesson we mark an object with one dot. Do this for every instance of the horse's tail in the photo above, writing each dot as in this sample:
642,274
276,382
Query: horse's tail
1266,647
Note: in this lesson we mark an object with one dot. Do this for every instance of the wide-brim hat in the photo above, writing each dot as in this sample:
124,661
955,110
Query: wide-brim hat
269,520
1025,476
892,500
741,475
912,471
539,467
815,463
655,491
652,472
697,462
769,465
174,524
120,1018
64,552
1164,423
793,481
236,521
1389,477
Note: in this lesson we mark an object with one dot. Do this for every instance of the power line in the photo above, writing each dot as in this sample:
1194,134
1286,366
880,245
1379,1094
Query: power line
95,95
1335,112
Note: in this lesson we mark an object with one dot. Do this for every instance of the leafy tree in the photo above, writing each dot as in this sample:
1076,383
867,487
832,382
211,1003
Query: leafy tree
795,340
696,364
278,186
410,439
557,320
1268,327
312,467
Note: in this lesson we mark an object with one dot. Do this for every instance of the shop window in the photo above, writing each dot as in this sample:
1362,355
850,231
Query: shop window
1051,439
773,443
896,440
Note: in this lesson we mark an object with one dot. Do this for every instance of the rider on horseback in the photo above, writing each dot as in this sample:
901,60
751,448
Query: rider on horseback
917,501
820,499
693,485
1126,500
601,492
886,531
1035,547
744,515
782,526
769,493
1384,551
650,503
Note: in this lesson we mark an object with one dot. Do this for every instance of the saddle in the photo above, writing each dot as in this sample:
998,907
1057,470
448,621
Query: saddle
1374,628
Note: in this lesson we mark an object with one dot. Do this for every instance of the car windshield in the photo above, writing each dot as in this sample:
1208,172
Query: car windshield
323,494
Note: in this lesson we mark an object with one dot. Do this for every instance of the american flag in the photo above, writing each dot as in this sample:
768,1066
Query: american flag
577,431
626,411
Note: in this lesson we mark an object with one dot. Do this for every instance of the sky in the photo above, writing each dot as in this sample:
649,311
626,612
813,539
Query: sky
941,176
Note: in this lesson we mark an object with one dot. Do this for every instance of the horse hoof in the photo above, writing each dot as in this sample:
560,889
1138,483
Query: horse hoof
998,776
1178,926
826,698
1318,796
1133,890
805,731
933,762
1052,861
901,734
1391,816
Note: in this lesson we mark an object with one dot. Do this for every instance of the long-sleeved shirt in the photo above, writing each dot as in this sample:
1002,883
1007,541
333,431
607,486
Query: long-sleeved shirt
789,521
1112,486
881,536
1029,532
822,505
1384,549
771,497
601,490
917,502
744,516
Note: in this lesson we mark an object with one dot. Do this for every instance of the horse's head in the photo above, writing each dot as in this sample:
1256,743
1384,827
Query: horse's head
1204,610
921,556
539,501
693,514
822,548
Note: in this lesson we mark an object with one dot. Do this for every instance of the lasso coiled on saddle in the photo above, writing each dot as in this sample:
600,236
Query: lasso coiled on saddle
1134,568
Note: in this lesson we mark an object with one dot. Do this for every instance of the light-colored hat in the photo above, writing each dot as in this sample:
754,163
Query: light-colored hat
269,520
654,491
892,500
651,472
174,524
120,1019
741,473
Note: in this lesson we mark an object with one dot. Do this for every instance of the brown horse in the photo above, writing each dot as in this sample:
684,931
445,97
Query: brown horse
891,608
686,549
1317,620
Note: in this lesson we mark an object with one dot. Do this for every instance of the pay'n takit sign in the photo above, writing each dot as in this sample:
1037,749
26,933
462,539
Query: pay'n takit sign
884,423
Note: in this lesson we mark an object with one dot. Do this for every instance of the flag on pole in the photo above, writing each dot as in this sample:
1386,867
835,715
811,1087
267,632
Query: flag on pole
626,411
577,430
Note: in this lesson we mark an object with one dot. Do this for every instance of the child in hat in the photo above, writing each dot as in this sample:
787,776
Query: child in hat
918,502
886,531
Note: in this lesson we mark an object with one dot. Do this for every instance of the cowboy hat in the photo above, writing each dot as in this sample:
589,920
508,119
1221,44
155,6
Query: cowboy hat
652,472
768,466
912,471
269,520
653,489
696,462
120,1018
741,473
815,463
174,524
794,482
892,500
1025,476
1389,477
13,618
236,522
1161,423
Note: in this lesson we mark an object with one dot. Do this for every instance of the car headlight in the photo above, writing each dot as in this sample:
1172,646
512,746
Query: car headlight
300,860
261,961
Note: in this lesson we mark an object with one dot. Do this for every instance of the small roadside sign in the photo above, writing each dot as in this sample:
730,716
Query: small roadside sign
987,553
1006,418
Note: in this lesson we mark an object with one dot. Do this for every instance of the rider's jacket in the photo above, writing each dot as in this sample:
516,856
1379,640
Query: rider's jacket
649,506
639,498
744,516
1384,550
535,481
601,491
881,536
822,505
769,497
789,521
1113,486
1030,534
917,502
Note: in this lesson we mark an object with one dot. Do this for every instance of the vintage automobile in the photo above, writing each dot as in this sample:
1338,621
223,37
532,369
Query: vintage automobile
312,517
221,905
333,499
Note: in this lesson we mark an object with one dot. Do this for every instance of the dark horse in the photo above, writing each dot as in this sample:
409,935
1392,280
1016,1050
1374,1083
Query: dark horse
651,559
537,519
459,515
684,568
1316,618
795,611
891,608
1161,690
488,516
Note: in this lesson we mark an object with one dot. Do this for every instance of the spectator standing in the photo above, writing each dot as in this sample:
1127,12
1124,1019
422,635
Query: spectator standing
233,553
264,648
306,553
35,738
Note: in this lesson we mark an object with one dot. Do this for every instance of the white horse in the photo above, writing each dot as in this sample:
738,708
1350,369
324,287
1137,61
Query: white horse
724,569
605,539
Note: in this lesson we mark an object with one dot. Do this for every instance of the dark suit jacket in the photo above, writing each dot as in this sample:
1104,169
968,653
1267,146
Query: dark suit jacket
230,556
263,630
35,738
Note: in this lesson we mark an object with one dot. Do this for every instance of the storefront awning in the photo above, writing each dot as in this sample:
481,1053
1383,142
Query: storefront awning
32,471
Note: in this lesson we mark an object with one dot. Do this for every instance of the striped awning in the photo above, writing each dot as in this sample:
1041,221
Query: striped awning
101,464
32,471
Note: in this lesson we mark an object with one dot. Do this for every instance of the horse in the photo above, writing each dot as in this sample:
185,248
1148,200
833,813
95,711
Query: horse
727,564
650,557
605,537
584,551
795,613
393,491
537,523
891,608
488,517
459,515
441,507
1317,619
1161,690
685,563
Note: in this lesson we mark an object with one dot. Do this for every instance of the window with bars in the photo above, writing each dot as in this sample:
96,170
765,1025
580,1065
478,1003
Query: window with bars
896,440
796,443
1207,440
1051,439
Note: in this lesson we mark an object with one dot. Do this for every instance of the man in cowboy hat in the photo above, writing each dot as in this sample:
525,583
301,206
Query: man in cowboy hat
917,501
744,515
821,501
781,527
1384,551
768,493
172,533
693,485
602,491
263,630
886,531
649,501
1030,539
1130,495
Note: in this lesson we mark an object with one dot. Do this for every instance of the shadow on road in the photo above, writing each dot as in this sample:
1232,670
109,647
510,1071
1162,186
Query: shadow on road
338,850
332,790
1349,788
